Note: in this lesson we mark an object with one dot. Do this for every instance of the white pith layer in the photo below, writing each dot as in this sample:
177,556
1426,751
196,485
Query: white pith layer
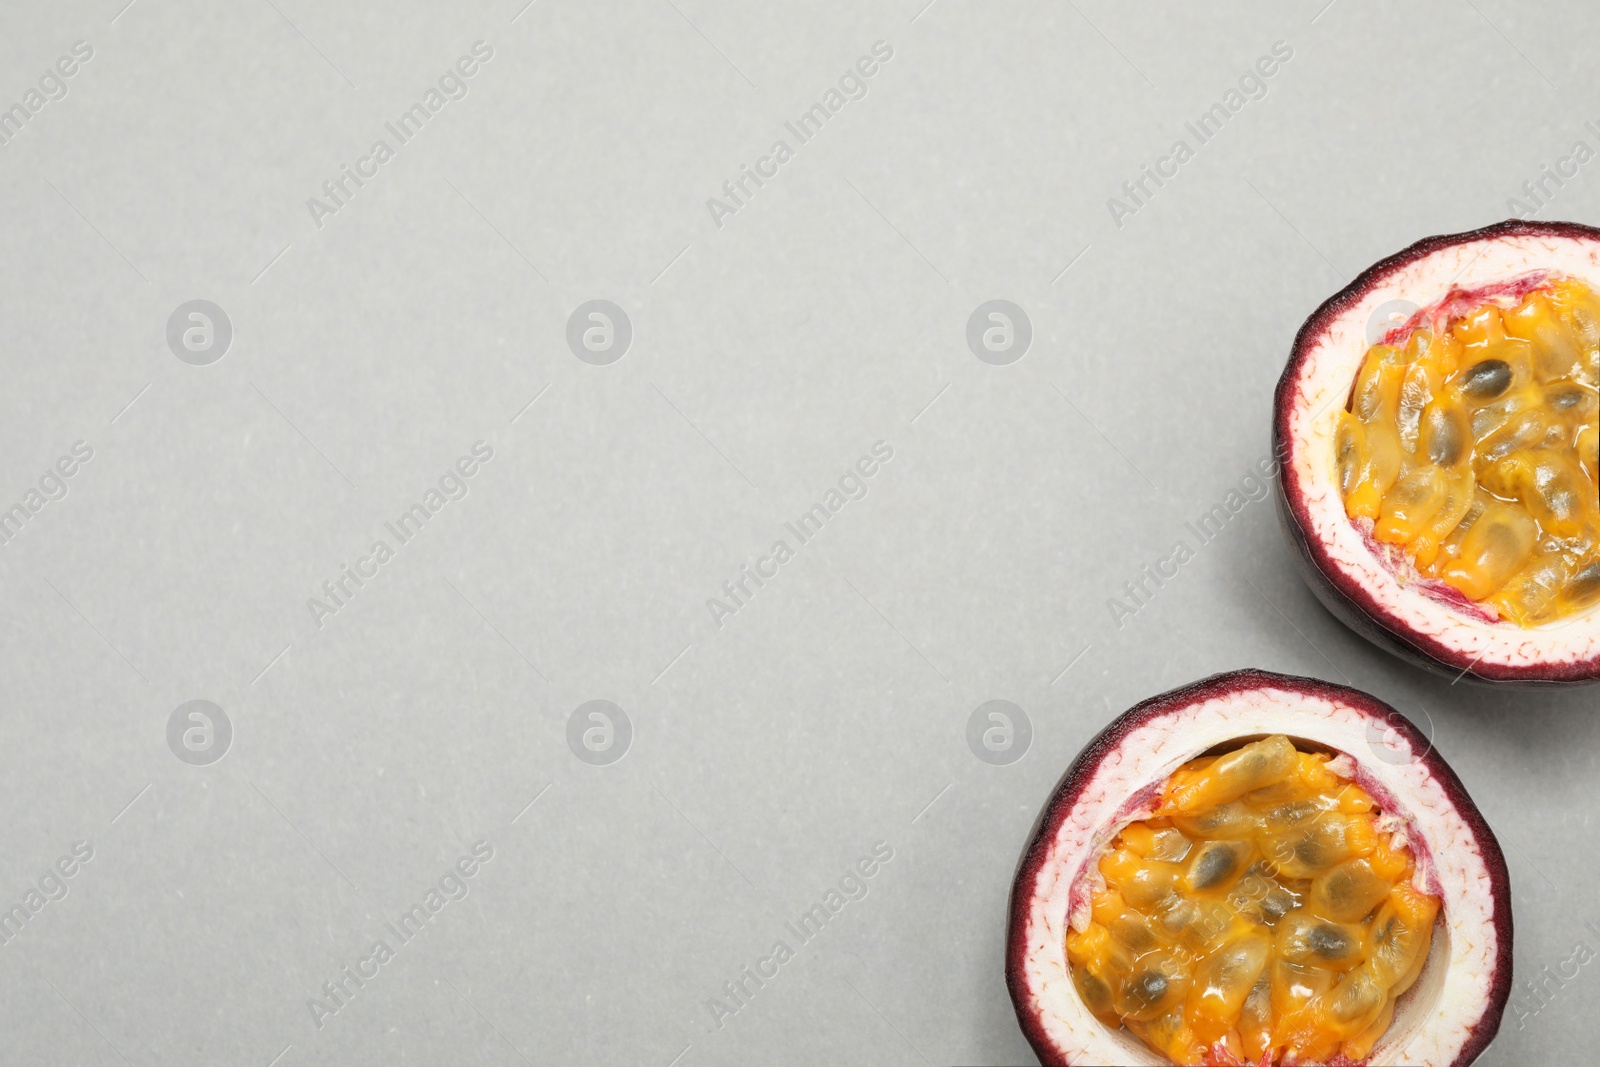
1323,382
1432,1021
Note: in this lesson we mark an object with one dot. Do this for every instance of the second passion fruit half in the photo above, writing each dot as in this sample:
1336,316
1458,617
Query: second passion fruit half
1438,426
1259,869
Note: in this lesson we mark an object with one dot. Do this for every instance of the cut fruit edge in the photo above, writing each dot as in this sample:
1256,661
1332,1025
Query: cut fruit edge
1426,625
1446,1019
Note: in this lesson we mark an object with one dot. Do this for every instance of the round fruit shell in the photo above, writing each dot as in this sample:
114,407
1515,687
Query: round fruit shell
1035,883
1350,588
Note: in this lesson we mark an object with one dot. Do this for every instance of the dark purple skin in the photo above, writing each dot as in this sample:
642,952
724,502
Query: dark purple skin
1126,725
1339,593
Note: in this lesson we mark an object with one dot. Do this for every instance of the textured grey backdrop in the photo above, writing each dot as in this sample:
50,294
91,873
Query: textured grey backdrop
379,740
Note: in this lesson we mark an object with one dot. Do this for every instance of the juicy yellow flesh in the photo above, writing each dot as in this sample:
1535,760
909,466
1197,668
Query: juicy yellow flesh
1472,445
1259,914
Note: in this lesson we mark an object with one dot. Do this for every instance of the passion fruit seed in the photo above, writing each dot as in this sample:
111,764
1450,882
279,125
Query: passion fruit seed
1487,380
1583,588
1446,435
1215,864
1225,821
1332,943
1095,992
1258,914
1475,449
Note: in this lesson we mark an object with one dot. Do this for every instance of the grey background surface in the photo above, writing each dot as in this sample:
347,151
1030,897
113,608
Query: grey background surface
371,748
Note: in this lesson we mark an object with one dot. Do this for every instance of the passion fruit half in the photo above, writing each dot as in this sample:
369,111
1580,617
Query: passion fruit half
1437,426
1260,869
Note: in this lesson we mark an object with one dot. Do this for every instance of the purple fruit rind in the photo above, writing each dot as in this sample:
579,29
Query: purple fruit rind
1354,605
1070,789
